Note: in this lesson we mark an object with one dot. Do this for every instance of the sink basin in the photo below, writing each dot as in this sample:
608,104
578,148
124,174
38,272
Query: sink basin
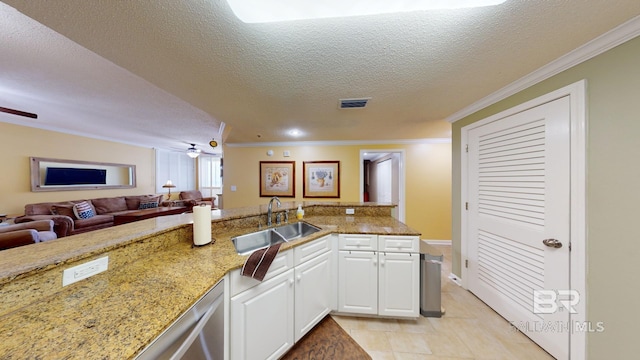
296,230
246,244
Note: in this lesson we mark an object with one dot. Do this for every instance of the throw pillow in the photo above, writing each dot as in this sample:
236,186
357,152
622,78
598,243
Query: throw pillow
148,204
83,210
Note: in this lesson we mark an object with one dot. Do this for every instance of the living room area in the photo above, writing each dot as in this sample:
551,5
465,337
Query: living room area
148,197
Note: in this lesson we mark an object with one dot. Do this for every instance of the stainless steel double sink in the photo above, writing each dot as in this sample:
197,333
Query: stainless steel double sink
248,243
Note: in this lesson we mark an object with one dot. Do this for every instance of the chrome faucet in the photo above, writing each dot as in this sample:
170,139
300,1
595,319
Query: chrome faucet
269,212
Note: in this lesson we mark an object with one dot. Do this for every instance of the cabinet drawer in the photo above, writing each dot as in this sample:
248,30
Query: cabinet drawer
312,249
398,243
357,242
238,283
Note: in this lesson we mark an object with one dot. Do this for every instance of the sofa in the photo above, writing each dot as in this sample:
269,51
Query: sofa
26,233
80,216
195,198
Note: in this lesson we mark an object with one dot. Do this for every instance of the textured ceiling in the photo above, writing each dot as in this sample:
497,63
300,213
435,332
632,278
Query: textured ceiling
176,70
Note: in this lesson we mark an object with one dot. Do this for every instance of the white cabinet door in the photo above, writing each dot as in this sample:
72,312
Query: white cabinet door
399,281
261,319
313,293
358,282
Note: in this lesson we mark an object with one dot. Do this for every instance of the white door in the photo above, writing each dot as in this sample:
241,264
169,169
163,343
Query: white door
519,196
384,182
261,320
313,293
398,171
358,282
399,282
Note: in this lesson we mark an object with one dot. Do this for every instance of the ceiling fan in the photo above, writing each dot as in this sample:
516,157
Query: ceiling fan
193,152
18,112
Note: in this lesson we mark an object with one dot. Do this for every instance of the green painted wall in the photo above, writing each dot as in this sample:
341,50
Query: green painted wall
613,193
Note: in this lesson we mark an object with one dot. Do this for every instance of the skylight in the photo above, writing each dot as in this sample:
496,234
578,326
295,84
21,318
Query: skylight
262,11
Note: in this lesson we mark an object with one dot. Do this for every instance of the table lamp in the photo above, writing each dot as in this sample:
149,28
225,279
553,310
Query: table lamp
169,185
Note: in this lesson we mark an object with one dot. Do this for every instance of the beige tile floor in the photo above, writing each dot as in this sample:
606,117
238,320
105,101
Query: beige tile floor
468,330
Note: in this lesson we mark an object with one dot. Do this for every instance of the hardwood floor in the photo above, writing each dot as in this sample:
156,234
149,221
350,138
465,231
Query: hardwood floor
468,330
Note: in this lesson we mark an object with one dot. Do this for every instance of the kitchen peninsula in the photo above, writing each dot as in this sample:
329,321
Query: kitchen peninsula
154,275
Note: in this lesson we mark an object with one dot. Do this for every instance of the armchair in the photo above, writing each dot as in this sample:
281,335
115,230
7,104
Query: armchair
196,198
62,225
26,233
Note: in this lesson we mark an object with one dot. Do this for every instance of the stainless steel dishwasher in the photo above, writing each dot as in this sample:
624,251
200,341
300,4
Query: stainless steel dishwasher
197,334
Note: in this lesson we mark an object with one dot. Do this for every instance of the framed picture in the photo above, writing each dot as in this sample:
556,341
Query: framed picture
277,178
321,179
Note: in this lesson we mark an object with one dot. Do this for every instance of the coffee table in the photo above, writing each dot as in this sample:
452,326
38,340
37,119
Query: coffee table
147,214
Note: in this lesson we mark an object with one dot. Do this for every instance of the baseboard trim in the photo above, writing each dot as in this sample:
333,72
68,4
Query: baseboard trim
437,242
455,278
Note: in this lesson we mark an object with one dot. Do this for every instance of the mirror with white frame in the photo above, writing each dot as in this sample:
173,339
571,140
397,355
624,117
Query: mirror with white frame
61,175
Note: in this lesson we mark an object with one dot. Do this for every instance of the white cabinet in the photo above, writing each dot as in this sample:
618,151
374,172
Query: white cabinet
315,289
267,318
376,275
358,282
261,319
313,293
399,284
384,282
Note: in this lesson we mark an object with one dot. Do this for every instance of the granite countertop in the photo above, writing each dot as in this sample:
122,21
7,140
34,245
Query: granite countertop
154,276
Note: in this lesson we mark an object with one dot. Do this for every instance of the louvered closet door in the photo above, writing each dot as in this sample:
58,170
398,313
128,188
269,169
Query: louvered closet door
519,196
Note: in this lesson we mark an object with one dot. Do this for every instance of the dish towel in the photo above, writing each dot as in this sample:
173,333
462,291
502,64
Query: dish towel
259,262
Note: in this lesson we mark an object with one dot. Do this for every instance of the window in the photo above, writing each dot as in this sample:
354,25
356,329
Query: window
177,167
210,175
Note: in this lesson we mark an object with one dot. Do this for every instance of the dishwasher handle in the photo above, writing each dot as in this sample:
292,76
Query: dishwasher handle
196,330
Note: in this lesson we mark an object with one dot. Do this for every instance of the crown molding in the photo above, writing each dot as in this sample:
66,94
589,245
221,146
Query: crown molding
344,142
593,48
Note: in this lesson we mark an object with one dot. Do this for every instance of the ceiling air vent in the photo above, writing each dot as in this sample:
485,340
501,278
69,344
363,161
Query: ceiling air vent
353,103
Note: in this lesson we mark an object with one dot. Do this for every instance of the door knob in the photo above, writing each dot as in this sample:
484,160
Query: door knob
554,243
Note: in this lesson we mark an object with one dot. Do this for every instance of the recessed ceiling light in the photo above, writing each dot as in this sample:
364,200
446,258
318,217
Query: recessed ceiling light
261,11
295,132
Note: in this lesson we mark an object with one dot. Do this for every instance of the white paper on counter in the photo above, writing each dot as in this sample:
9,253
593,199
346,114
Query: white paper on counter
201,225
